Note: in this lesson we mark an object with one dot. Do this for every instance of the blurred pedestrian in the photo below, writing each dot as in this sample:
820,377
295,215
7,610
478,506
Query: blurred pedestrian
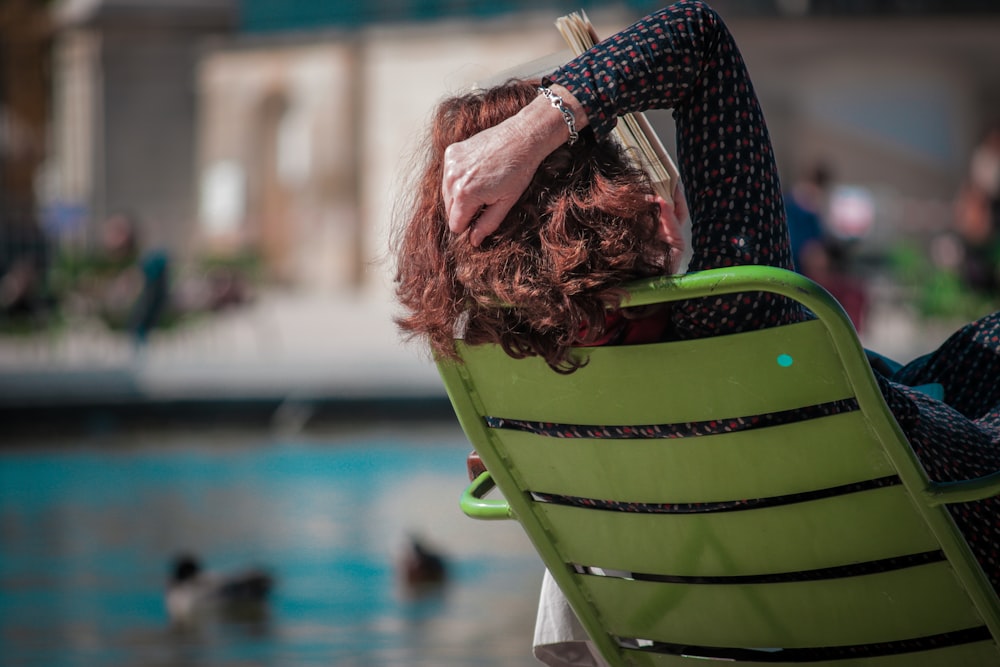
24,265
148,309
137,290
805,203
977,215
816,253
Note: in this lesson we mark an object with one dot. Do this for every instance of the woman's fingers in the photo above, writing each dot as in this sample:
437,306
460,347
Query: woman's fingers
461,212
459,204
680,202
468,208
671,222
489,220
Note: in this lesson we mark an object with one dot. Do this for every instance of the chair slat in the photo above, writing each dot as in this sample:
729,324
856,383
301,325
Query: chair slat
791,615
778,460
628,384
777,539
978,653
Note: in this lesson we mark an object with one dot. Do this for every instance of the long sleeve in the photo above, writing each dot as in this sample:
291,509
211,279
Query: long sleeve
684,58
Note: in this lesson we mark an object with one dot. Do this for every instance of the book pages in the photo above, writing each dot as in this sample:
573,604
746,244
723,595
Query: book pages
633,130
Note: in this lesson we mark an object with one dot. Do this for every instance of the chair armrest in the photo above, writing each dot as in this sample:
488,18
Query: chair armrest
473,504
942,493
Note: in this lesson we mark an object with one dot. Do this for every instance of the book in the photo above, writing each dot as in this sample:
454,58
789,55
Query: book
633,130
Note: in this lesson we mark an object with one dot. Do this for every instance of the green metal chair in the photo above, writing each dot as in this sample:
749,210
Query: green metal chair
760,540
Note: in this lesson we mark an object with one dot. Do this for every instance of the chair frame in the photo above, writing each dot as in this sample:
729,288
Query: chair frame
931,498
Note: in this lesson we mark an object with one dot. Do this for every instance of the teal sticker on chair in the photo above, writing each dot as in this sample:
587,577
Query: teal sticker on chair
785,360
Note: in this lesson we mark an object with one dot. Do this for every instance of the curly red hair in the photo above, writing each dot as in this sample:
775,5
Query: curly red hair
543,282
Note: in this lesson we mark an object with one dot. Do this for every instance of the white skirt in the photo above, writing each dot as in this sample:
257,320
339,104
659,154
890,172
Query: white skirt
560,640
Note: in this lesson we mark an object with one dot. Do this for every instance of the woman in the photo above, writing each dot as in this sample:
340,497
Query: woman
683,58
731,178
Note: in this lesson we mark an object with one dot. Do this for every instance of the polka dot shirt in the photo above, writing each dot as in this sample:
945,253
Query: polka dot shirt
684,58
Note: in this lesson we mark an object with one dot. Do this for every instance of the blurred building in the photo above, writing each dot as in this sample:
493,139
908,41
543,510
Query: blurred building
123,135
288,128
25,41
305,135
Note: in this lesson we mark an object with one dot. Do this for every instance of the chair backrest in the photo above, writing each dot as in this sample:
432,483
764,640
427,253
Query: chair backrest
745,497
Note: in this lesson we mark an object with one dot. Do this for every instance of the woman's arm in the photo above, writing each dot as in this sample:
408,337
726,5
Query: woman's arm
683,58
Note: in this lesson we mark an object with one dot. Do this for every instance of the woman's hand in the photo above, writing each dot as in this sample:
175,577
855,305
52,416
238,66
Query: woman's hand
673,215
483,178
486,174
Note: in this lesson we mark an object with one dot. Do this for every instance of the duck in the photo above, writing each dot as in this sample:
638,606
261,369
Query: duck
192,592
421,568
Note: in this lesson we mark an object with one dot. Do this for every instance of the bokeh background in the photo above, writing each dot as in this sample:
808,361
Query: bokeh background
196,339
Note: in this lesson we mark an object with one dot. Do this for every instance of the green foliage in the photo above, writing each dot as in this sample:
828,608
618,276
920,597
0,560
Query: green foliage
106,289
939,293
245,263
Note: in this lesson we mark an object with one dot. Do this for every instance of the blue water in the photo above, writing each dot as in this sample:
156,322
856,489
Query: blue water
87,532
